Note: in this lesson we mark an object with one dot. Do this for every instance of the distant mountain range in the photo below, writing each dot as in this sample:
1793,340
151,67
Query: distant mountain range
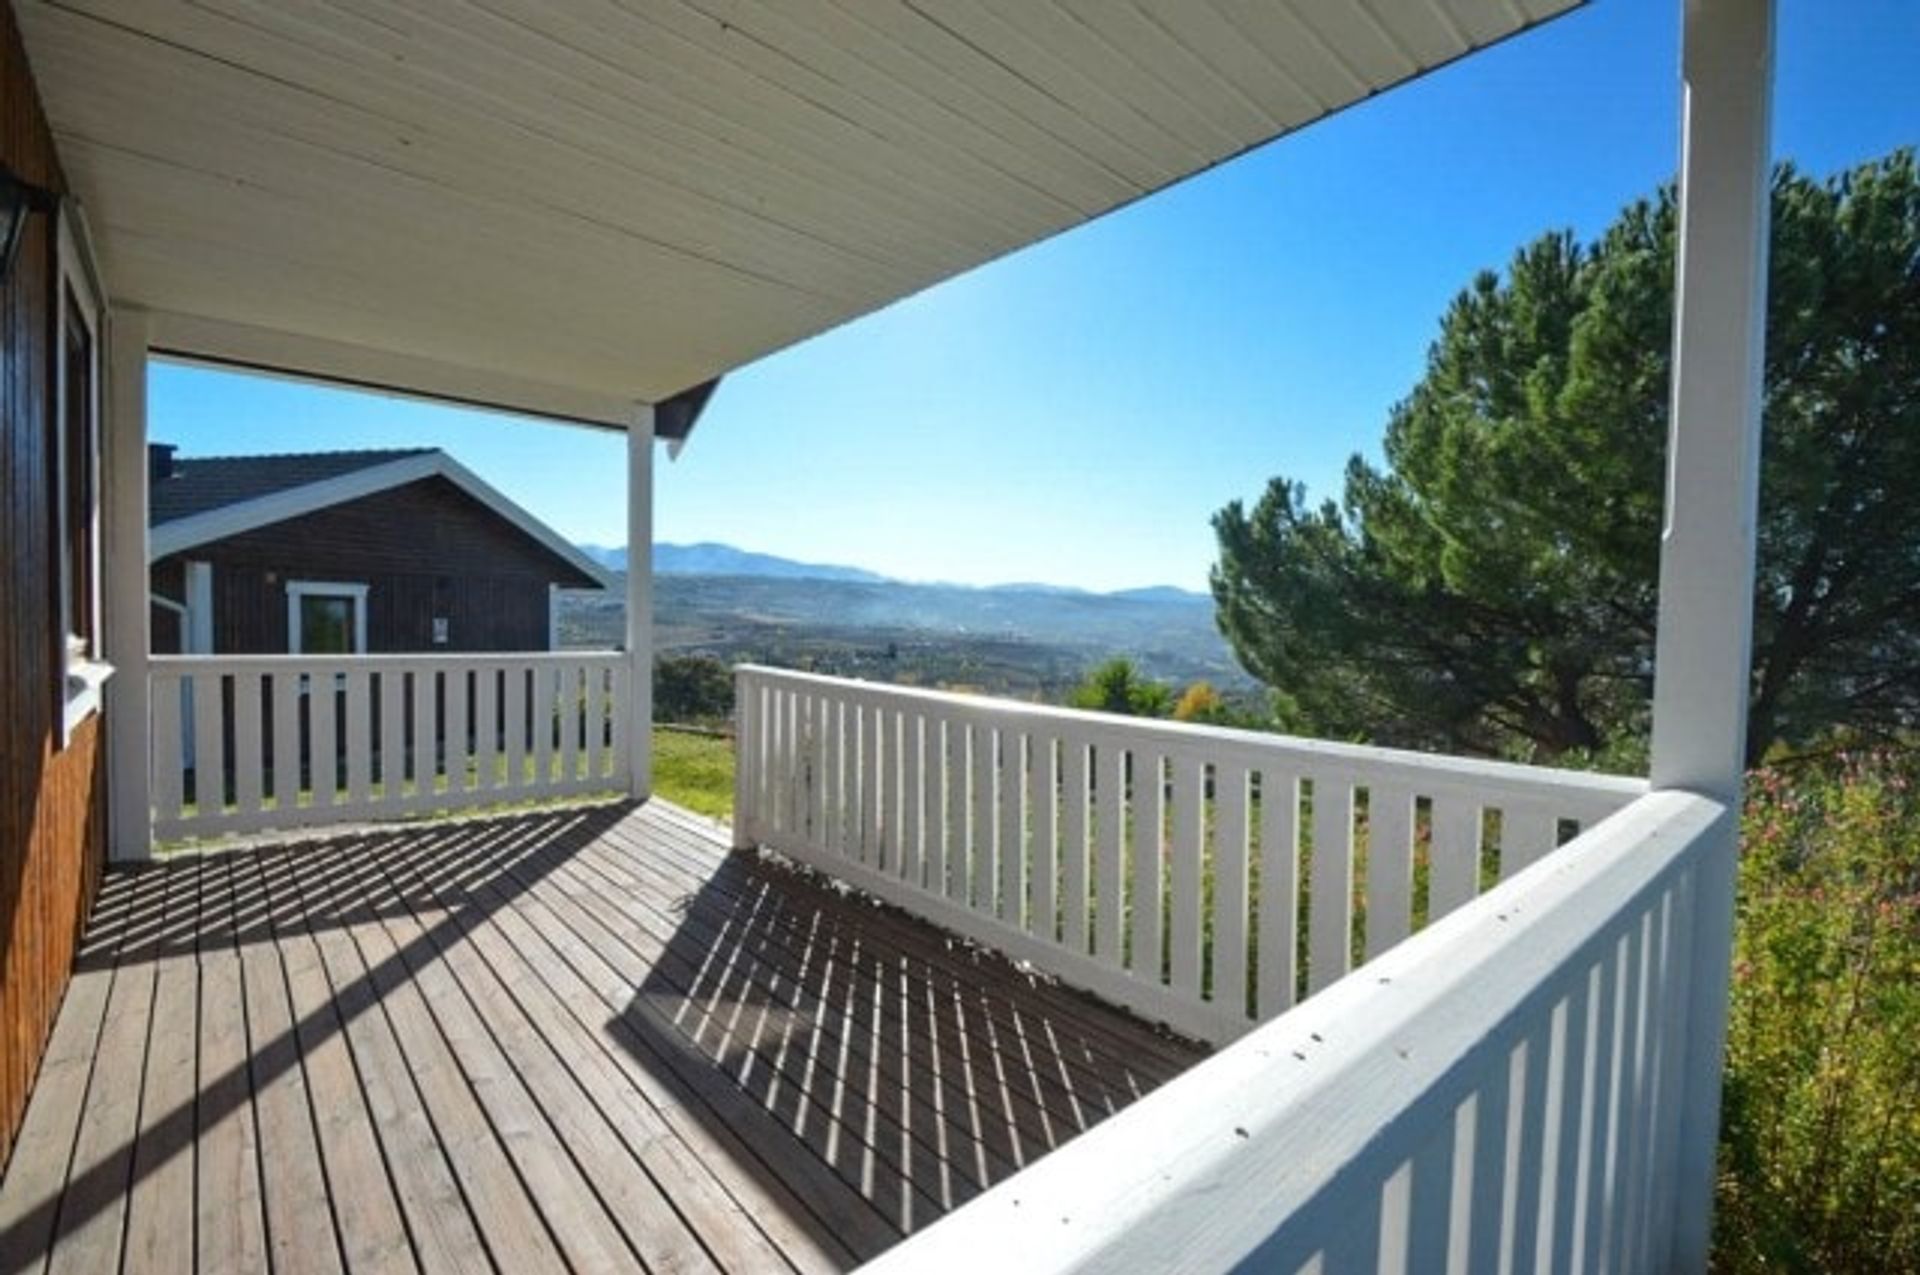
711,559
1026,640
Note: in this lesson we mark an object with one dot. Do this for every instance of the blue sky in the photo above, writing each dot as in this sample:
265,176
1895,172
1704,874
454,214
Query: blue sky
1076,412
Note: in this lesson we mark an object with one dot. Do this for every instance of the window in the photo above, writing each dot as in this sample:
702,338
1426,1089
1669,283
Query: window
326,619
75,483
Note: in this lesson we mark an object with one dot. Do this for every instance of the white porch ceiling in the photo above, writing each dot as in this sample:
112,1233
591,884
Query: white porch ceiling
592,203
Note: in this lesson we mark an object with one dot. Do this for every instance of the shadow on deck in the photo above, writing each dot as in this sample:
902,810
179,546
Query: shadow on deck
590,1039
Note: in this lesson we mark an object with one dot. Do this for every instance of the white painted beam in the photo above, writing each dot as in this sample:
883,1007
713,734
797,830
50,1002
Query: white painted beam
1704,646
640,599
321,361
127,620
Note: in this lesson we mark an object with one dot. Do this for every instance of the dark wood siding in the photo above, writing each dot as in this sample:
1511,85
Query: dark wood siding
52,808
424,549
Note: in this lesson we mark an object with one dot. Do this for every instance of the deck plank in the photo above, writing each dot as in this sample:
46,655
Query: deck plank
372,1231
764,1200
441,1229
163,1162
631,1198
562,1191
294,1190
30,1194
587,1039
94,1205
229,1215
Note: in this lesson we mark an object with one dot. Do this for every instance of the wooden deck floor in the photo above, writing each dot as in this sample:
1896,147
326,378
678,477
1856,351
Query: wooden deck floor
589,1040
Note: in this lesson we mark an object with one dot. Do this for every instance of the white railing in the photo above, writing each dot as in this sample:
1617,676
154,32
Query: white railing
242,743
1499,1093
1206,878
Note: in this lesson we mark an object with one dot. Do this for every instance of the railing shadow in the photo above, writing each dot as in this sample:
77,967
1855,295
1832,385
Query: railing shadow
232,900
887,1070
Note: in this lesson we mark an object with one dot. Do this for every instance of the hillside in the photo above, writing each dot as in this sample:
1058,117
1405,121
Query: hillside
1013,640
708,558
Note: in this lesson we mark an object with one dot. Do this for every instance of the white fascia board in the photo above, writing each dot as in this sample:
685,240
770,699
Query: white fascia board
317,360
181,534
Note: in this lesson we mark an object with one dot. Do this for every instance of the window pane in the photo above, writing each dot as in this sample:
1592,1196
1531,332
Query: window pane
326,625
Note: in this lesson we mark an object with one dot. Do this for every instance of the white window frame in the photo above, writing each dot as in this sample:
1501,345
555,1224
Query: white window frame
299,589
83,667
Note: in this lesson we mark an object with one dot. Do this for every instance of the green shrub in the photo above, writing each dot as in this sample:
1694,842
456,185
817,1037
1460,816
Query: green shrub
1820,1148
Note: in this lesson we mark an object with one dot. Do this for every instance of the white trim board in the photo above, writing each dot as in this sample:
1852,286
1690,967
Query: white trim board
181,534
299,590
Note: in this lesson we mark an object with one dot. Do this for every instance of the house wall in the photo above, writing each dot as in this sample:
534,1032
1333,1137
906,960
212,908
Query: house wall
167,579
424,549
52,811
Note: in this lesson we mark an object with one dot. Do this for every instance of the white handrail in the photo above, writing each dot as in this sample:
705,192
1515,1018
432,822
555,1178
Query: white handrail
1498,1092
244,743
1160,865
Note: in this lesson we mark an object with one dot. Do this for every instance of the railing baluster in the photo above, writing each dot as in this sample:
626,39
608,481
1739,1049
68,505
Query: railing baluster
890,802
910,843
209,748
933,806
1147,802
1528,831
571,691
486,718
393,747
288,744
249,758
323,740
1011,784
1076,796
457,744
359,739
514,714
1277,979
803,751
1230,887
1184,903
959,839
838,822
425,737
1455,874
1109,884
1042,815
872,748
1389,868
1330,921
983,863
169,750
594,707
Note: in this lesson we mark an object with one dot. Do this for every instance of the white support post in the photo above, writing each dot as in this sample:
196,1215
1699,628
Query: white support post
640,600
126,619
1705,637
199,621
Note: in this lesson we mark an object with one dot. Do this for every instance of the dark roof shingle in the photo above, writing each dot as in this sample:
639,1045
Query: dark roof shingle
200,484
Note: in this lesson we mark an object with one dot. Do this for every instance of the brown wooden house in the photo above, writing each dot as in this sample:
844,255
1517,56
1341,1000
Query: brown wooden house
348,553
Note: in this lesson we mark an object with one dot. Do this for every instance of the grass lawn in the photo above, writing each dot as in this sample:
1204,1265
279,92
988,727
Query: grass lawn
695,771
